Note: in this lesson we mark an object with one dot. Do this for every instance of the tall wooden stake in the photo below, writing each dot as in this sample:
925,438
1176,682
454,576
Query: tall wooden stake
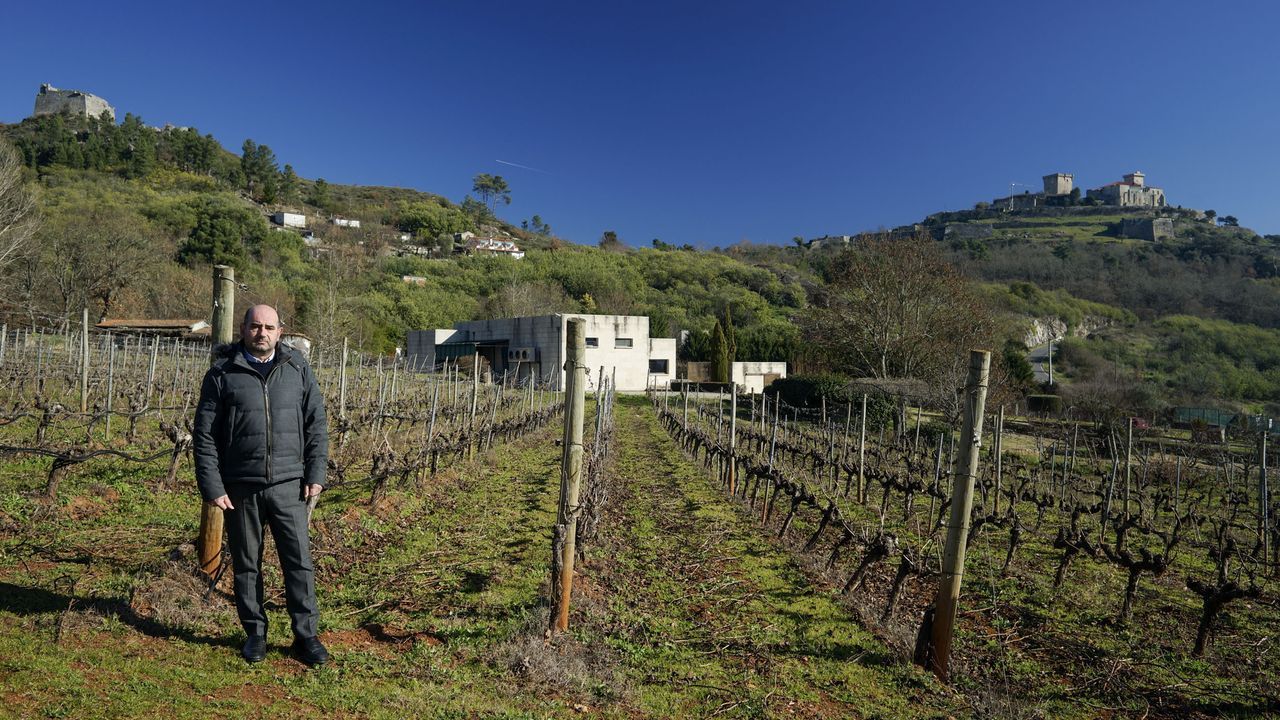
937,654
733,438
565,537
84,360
209,543
862,452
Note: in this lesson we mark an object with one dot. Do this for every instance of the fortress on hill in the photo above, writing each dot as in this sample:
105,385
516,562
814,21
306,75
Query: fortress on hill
51,101
1132,191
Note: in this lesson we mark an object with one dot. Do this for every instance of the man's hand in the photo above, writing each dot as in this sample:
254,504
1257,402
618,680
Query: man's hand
314,490
223,502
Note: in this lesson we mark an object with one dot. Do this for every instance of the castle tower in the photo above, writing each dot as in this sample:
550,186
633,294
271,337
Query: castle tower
1058,184
51,101
1135,178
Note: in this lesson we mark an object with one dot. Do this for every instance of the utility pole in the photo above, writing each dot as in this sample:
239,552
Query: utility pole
935,652
209,543
565,537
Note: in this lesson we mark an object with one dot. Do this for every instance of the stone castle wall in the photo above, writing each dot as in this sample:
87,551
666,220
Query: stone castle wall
51,101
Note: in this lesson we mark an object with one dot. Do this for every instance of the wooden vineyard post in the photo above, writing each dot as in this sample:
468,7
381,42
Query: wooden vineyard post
996,443
84,360
209,543
564,538
1264,493
862,452
933,647
1128,466
111,379
733,438
475,397
342,384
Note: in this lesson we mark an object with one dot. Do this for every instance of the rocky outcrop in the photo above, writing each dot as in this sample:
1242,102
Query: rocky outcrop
1043,329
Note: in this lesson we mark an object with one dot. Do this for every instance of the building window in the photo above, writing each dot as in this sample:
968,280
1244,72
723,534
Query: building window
658,367
622,342
593,342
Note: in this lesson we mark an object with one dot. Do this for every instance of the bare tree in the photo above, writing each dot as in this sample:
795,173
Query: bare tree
519,299
91,257
18,218
894,308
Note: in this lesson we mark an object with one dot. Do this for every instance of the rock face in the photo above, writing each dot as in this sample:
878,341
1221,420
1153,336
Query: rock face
1044,329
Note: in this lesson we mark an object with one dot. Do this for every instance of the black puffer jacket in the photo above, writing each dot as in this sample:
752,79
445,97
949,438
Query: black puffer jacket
251,431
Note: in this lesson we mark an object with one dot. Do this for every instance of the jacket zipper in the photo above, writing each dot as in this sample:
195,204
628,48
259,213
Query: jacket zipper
266,403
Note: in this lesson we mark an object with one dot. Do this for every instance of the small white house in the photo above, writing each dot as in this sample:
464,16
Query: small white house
535,347
289,220
344,222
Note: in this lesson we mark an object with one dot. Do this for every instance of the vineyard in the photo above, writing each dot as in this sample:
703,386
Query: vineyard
736,556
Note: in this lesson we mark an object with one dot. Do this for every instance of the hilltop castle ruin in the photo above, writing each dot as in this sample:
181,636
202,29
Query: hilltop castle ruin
51,101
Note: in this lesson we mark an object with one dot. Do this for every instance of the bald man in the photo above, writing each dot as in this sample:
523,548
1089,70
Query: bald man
261,447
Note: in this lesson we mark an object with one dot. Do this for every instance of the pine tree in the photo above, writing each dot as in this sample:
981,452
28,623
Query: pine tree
720,362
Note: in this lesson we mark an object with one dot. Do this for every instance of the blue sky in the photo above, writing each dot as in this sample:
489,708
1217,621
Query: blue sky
701,123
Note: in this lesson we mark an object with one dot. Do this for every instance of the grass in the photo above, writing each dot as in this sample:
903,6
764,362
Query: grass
433,604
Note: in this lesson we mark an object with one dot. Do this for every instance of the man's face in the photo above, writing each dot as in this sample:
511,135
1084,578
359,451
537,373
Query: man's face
261,331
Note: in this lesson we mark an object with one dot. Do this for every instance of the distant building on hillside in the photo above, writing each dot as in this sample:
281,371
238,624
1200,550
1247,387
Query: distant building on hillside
1132,191
525,347
51,101
344,222
1058,184
289,220
187,329
492,246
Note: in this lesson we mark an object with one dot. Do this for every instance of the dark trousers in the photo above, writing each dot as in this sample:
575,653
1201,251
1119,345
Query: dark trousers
282,507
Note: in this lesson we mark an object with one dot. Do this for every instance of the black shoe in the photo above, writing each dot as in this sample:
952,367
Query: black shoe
310,651
255,648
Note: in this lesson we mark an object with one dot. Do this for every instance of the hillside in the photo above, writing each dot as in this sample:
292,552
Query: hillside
133,216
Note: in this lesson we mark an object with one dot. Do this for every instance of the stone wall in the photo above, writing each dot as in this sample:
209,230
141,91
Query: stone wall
1147,228
51,101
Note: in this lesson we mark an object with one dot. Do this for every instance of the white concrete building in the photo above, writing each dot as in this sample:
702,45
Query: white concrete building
754,377
344,222
535,346
288,219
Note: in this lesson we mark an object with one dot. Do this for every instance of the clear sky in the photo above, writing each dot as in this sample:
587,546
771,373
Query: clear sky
697,122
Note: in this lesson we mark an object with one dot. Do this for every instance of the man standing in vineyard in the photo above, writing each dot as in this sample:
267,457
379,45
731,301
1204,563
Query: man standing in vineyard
261,447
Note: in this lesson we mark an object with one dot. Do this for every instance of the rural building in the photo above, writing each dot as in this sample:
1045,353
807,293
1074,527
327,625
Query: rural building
492,246
751,377
51,101
344,222
1132,191
535,347
289,220
171,328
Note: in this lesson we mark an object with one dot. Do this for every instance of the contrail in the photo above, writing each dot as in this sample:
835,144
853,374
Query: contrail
524,167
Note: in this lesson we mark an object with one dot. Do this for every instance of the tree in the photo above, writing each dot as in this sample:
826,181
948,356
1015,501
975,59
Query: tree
491,189
609,241
288,184
18,218
895,309
1075,196
430,219
721,364
261,173
1230,221
1210,215
319,195
91,257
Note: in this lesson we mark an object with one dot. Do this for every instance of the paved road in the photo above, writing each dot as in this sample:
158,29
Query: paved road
1039,358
